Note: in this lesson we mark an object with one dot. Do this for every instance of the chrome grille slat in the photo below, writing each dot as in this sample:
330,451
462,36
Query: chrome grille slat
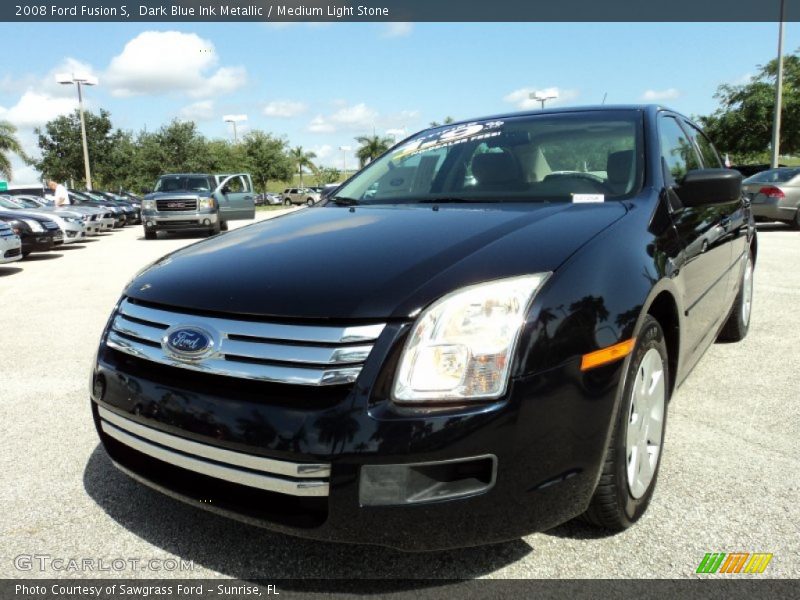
296,354
244,370
239,459
322,334
218,469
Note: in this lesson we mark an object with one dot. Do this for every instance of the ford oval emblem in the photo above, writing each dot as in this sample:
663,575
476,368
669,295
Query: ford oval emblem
188,343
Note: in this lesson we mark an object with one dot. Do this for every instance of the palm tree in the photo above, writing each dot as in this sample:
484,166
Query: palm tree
9,144
372,146
447,121
301,159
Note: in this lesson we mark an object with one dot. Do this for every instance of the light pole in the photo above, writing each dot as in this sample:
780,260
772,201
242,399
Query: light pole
541,97
776,120
234,119
80,80
345,150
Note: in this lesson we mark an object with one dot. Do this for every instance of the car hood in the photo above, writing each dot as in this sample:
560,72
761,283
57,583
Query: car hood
24,214
368,262
176,194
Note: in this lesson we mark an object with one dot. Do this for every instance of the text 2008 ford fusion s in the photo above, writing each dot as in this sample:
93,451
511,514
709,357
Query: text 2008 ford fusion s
475,338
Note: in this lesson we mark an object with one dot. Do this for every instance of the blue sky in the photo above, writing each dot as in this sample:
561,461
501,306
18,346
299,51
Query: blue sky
321,85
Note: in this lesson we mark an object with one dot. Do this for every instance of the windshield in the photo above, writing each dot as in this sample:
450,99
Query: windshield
773,176
7,203
552,157
184,183
27,203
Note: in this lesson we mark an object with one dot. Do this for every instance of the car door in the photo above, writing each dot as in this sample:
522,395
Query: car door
706,256
236,197
735,215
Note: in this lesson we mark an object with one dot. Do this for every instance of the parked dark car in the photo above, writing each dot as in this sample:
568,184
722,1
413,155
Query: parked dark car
37,234
85,199
476,338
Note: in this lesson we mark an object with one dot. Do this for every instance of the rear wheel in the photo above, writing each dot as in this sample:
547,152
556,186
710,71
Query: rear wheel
287,202
310,201
796,222
633,456
738,323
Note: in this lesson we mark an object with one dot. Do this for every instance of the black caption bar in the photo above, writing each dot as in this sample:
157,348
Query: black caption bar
399,10
283,589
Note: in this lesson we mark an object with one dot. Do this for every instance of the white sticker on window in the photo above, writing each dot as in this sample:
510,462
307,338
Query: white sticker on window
581,198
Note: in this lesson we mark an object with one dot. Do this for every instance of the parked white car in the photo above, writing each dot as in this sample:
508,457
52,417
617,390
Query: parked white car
10,244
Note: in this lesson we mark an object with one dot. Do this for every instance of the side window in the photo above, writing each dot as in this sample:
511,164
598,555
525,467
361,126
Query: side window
246,185
677,151
707,151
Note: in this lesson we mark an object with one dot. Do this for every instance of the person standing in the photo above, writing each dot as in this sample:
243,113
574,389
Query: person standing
60,194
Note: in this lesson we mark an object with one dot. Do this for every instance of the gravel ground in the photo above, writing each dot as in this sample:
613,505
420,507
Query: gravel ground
729,481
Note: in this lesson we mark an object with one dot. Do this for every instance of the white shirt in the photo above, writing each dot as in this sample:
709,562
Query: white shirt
61,196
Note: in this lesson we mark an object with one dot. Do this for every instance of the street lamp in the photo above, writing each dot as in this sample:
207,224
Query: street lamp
234,119
80,80
776,118
345,150
542,97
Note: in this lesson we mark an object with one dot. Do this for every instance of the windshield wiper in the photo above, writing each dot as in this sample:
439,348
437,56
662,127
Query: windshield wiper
451,200
344,201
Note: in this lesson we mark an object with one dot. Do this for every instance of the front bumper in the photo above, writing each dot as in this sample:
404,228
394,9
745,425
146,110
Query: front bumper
40,242
547,437
74,233
180,221
10,249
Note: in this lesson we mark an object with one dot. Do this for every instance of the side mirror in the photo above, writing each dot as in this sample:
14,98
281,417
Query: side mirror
710,186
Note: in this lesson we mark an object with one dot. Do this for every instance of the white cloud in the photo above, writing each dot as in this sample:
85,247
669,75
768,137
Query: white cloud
159,62
360,118
284,109
319,125
203,110
397,29
522,100
34,109
659,95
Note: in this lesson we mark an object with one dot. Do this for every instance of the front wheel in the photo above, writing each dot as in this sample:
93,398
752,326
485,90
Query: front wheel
150,235
633,456
310,202
738,323
223,226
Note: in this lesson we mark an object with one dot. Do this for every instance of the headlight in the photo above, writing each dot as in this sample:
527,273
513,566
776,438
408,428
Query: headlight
148,204
206,203
34,225
462,346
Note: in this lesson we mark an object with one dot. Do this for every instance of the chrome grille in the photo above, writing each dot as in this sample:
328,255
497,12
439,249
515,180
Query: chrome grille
296,479
177,204
277,352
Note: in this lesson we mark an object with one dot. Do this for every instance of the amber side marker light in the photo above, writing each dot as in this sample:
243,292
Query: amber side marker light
606,355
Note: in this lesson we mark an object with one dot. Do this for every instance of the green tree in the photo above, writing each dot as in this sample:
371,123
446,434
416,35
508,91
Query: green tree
302,159
742,125
267,158
371,147
9,144
328,175
62,148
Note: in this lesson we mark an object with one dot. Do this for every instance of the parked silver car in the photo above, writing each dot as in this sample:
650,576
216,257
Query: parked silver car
299,196
775,195
90,223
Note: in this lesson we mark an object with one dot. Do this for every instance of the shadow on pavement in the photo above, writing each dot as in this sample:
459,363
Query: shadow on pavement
42,256
245,552
5,271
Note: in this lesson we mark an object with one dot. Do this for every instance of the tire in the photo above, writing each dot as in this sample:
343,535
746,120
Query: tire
310,201
738,323
287,202
150,235
796,223
624,491
223,226
215,229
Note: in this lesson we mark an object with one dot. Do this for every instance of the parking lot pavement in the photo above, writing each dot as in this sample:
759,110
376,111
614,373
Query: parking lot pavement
729,479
